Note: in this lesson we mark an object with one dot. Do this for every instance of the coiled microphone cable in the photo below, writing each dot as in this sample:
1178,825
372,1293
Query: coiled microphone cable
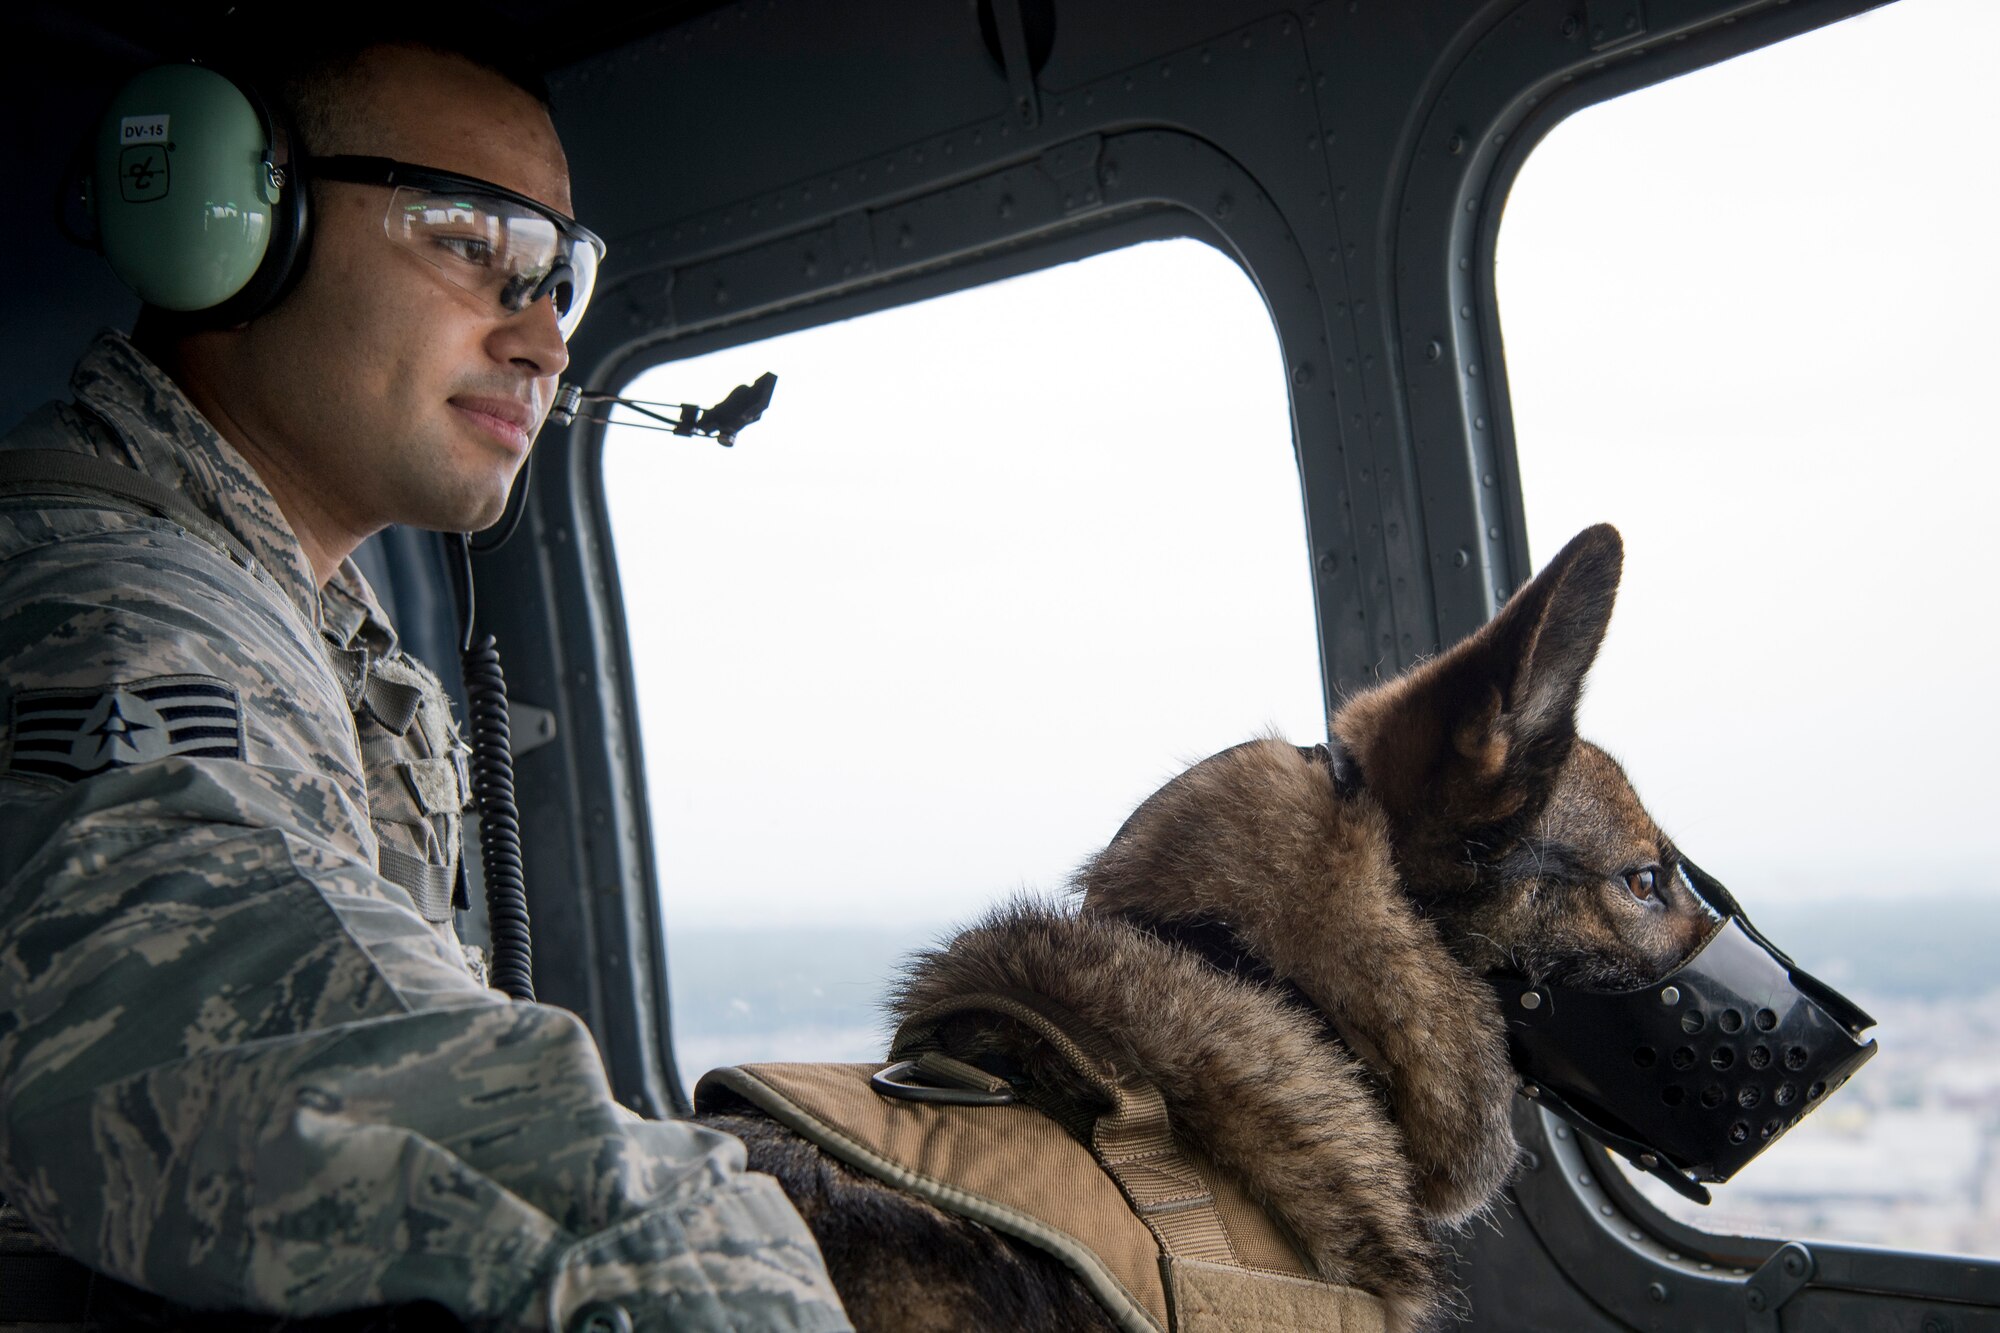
511,969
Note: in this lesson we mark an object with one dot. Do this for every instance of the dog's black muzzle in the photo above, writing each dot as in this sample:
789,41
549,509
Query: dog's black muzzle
1696,1074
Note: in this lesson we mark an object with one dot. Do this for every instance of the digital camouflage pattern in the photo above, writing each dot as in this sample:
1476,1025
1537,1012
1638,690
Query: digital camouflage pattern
237,1065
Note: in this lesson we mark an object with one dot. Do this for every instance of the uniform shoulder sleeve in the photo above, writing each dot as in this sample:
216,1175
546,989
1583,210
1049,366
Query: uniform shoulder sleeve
127,644
235,1066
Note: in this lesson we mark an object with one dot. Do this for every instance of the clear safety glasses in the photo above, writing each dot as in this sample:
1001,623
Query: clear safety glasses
483,237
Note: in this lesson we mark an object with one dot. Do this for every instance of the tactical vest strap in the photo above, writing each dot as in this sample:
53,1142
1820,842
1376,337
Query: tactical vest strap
429,886
1134,1141
61,471
393,703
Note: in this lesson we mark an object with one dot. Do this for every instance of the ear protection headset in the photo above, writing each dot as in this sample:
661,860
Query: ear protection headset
196,206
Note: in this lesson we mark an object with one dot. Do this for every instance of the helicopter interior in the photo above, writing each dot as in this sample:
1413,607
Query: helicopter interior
761,168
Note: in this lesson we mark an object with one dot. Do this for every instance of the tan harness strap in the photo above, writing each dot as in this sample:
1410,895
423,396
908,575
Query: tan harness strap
1134,1141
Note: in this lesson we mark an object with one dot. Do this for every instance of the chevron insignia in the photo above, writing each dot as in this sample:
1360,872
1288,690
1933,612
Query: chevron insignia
73,734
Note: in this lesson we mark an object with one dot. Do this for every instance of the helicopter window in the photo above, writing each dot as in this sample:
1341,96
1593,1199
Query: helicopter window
1747,318
992,568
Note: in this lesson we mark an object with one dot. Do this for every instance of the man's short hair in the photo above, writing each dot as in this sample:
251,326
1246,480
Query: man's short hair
306,74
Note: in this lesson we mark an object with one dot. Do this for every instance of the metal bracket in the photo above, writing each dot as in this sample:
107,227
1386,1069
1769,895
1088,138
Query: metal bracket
1076,169
1614,22
854,243
528,727
1013,30
1765,1292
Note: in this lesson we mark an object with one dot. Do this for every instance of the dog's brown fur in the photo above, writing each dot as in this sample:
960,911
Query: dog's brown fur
1374,1115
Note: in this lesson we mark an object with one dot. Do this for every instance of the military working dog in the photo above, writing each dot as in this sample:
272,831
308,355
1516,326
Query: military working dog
1289,944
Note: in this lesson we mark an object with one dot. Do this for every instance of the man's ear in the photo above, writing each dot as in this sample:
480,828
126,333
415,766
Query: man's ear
1477,733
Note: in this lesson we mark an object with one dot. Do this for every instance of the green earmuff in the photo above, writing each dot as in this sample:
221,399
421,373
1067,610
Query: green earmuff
194,208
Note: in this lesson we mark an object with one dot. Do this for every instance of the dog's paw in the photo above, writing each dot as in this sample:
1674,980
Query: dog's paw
1455,1184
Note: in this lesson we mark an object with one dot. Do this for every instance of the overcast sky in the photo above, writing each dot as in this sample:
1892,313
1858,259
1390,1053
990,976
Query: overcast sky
1789,416
998,564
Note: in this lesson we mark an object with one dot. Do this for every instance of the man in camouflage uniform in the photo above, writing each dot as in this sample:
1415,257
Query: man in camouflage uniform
243,1061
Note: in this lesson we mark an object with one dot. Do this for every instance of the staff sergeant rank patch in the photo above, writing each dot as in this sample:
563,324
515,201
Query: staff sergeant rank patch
73,734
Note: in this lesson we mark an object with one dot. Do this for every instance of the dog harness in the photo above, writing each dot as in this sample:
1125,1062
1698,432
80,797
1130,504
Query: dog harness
1163,1239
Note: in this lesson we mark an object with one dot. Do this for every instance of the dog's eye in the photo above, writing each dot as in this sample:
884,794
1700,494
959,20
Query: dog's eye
1641,882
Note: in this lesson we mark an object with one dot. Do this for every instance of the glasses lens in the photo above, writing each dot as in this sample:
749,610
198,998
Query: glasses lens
496,248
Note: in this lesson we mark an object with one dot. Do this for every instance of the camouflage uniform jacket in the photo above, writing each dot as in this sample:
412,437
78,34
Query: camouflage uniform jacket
237,1066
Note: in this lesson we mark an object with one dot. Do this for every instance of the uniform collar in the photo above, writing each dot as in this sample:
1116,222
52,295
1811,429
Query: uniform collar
168,439
350,614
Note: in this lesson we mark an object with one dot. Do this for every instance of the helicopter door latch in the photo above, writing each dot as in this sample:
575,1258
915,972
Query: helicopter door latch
1783,1275
1614,22
1016,57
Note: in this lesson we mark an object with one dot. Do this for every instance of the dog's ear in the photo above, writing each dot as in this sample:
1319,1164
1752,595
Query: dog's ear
1551,630
1476,734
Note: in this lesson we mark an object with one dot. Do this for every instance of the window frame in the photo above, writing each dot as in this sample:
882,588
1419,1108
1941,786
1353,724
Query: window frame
1630,1259
918,217
1643,1267
1174,185
1510,86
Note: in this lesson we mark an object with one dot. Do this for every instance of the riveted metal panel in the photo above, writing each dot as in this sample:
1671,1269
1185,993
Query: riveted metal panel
1251,165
